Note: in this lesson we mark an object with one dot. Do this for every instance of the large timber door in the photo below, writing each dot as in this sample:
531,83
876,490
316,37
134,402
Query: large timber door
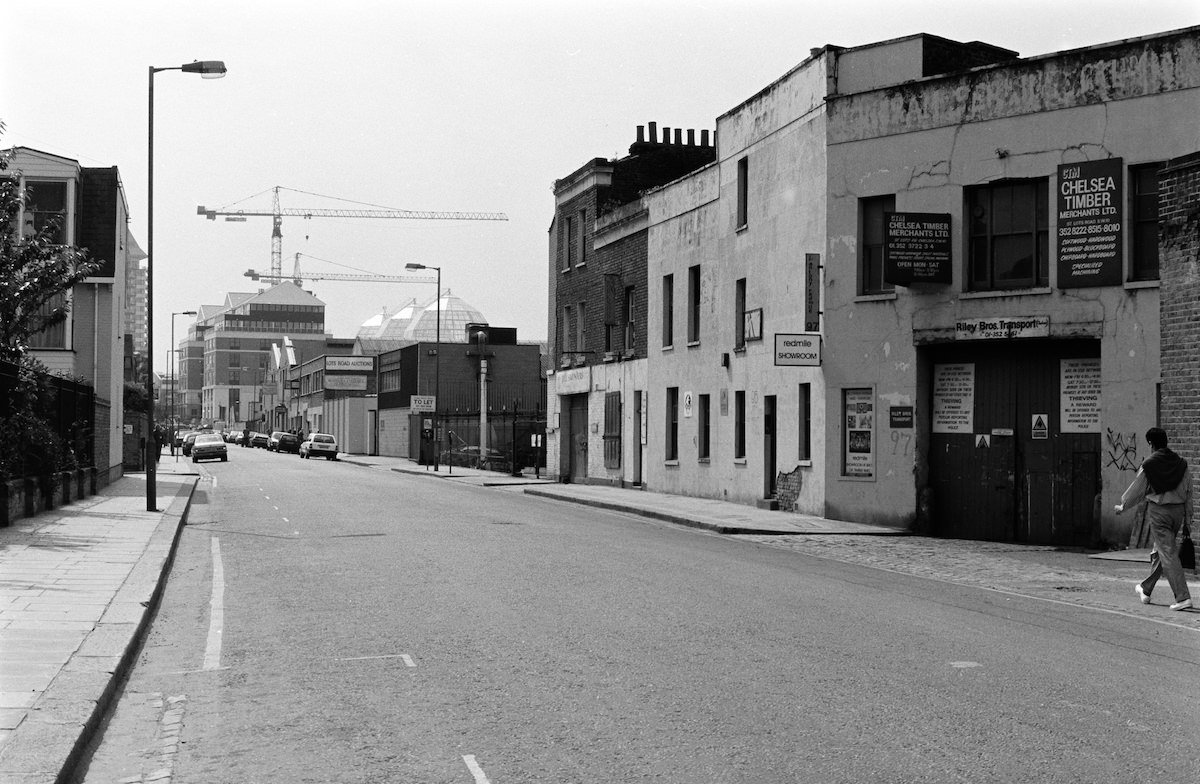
1003,463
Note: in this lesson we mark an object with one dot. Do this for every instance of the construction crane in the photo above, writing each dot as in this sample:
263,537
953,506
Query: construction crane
297,277
277,213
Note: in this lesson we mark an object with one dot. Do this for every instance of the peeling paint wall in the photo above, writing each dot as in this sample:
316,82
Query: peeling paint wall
925,142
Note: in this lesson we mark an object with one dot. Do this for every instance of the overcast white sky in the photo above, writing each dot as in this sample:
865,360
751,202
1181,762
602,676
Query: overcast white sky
432,105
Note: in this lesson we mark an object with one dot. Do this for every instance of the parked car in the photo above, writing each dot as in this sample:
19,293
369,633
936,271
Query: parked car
259,440
209,446
288,442
319,445
179,434
188,438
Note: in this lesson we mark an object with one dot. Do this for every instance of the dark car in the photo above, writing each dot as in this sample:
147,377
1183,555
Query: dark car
273,440
259,440
287,442
209,446
188,438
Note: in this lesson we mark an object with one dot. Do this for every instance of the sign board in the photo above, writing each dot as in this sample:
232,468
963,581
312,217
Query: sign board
1040,427
859,416
752,325
916,248
687,405
1089,205
1079,390
983,441
424,404
900,417
954,398
356,364
1002,328
349,383
797,349
812,292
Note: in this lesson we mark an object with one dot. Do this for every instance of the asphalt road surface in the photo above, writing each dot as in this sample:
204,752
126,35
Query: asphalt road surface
326,622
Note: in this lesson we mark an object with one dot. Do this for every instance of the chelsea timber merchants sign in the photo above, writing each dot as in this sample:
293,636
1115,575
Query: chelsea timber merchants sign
1089,223
916,248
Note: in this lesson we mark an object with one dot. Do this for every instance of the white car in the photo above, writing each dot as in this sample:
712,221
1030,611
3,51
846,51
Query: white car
319,445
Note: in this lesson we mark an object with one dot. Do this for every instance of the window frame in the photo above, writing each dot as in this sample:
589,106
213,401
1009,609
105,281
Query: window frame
872,228
671,448
739,424
743,193
981,244
693,326
704,427
668,310
1142,228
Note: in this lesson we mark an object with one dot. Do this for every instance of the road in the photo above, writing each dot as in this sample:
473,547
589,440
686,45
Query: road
325,622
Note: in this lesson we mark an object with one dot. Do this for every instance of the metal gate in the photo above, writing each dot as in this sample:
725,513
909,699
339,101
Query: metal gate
1016,477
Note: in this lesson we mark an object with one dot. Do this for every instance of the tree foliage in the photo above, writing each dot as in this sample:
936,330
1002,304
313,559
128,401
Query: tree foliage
34,270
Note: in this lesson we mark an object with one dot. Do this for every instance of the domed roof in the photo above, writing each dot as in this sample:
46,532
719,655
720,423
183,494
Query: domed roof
456,315
395,327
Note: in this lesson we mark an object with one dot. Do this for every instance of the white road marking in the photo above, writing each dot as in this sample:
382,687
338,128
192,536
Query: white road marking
963,665
476,771
276,508
216,615
408,661
288,521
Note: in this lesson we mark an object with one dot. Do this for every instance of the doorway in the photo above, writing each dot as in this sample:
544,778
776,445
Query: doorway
577,438
770,465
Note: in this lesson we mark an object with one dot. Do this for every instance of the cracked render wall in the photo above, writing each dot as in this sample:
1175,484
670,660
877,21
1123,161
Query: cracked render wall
929,140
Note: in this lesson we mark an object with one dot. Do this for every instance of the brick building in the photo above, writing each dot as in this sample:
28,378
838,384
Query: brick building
598,306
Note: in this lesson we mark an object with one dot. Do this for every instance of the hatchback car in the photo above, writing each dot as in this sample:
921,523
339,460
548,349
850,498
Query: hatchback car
209,446
319,445
259,440
287,442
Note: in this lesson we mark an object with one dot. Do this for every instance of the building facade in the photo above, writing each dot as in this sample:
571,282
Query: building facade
918,286
597,384
89,204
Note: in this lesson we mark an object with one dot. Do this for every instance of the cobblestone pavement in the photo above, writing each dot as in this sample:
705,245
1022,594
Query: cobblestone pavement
1051,573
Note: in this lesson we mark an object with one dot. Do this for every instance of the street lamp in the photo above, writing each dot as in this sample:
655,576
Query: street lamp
208,69
437,359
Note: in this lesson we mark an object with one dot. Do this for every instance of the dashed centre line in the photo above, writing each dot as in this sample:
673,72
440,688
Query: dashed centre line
216,616
476,771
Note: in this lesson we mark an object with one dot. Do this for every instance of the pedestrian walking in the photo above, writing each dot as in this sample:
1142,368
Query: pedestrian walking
1164,482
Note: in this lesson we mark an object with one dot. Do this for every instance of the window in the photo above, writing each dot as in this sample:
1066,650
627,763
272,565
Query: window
629,335
55,335
581,326
693,335
668,310
672,418
568,237
870,245
743,184
46,206
739,315
1145,221
612,430
805,412
1009,235
581,249
704,422
739,424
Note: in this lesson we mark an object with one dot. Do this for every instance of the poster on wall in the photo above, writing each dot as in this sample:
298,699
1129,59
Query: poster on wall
954,398
1089,223
917,248
1079,393
859,416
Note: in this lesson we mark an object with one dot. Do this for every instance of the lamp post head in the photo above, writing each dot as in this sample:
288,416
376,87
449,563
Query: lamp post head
414,266
208,69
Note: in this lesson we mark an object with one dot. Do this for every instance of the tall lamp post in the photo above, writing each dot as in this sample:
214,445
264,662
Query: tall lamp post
208,69
437,359
175,365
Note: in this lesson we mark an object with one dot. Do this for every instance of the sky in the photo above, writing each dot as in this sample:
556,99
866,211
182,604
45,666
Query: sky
426,106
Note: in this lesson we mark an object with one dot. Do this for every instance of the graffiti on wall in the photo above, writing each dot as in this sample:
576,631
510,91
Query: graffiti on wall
1122,450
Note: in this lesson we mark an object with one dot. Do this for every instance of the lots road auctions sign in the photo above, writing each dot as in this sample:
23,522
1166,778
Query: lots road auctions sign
797,350
916,248
1089,223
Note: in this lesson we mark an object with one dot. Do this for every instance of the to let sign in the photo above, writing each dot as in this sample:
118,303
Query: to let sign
1089,223
424,404
916,248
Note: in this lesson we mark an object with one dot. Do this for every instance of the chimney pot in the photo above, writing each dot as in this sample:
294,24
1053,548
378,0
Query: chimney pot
704,138
691,137
641,137
653,133
666,134
679,136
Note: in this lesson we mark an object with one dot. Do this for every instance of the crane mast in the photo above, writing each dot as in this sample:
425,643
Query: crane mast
278,213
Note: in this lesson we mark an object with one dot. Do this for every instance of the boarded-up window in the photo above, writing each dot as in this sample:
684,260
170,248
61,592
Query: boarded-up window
612,430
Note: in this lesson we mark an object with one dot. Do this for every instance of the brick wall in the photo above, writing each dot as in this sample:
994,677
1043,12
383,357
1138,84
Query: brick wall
1179,297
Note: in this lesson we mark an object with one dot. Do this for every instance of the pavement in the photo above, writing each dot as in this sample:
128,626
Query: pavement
79,586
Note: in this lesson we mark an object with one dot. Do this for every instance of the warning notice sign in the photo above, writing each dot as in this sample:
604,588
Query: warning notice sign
1079,385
